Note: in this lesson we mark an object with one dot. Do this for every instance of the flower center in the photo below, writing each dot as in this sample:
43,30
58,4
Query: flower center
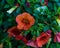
25,21
43,38
16,32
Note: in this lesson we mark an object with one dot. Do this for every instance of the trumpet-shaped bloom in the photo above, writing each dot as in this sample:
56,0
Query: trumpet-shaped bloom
43,39
24,21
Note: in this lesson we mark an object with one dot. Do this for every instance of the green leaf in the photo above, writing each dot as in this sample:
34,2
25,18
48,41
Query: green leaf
26,32
1,18
27,9
58,28
53,29
2,3
38,33
23,1
19,2
52,45
10,2
34,1
41,27
55,7
1,22
6,6
18,10
57,45
46,28
20,46
56,0
58,11
49,43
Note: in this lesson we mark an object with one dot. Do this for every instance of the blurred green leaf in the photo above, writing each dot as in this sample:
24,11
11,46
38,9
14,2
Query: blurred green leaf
29,10
6,6
38,33
49,42
58,11
23,1
2,3
1,22
52,45
40,27
57,45
10,2
46,28
34,1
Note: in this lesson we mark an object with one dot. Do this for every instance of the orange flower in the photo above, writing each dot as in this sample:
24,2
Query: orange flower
17,34
24,21
14,31
43,39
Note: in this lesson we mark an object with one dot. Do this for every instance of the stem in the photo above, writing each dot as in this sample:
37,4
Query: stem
46,22
19,2
48,43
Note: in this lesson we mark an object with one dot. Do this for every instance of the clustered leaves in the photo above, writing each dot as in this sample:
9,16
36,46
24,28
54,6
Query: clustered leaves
45,19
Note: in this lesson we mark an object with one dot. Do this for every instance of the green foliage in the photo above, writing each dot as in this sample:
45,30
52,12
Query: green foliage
58,10
10,2
45,19
46,28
